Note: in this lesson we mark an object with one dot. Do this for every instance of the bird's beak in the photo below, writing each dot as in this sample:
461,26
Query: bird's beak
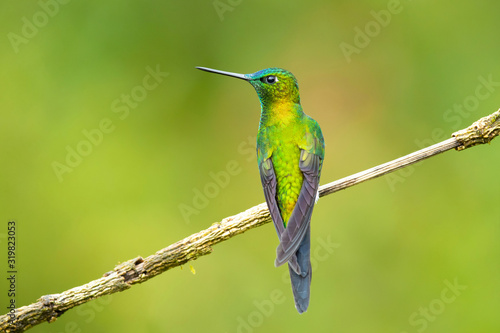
236,75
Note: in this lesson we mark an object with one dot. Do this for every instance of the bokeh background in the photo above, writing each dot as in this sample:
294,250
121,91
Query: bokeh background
394,245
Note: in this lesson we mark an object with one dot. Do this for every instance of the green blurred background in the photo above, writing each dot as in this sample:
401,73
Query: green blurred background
394,241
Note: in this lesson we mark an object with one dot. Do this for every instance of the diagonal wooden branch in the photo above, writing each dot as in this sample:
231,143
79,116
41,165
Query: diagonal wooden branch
138,270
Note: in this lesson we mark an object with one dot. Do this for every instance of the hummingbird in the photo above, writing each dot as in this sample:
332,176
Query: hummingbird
290,153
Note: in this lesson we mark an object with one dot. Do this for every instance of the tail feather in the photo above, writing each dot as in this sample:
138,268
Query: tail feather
301,283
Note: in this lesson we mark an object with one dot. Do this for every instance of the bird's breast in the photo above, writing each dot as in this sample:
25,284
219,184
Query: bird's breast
285,157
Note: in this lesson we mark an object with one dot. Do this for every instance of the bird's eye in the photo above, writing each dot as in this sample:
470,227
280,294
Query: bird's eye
269,79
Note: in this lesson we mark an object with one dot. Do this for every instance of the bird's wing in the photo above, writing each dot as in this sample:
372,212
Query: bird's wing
268,179
298,224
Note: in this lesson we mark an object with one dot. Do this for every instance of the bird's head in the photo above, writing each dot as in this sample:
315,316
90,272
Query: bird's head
273,85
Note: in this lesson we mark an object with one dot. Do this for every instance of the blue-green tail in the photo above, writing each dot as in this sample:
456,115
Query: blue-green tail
301,283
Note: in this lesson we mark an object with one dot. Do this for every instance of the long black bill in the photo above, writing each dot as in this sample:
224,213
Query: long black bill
216,71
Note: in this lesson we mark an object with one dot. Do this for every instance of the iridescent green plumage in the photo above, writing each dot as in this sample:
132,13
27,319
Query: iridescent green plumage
290,152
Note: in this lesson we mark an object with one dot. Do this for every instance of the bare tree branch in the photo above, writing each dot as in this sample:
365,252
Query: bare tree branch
138,270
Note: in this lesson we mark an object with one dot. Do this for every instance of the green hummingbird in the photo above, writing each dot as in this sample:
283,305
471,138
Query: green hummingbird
290,152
